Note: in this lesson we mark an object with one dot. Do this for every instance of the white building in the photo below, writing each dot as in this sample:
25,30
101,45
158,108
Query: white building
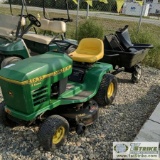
131,7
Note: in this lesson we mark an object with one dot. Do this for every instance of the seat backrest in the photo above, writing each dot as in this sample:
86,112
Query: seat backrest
8,24
57,26
54,26
44,24
91,46
124,37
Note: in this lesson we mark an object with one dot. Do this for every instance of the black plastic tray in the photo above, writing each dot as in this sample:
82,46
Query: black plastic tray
124,59
117,54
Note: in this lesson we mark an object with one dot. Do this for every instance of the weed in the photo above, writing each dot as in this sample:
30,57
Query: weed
146,36
90,29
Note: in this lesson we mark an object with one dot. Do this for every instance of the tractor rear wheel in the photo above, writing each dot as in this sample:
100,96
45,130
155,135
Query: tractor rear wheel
9,60
53,132
107,90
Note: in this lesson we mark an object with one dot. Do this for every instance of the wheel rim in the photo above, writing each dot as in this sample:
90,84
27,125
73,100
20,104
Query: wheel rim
139,74
60,132
110,90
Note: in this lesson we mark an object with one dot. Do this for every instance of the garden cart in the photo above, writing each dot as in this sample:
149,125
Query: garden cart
58,90
123,54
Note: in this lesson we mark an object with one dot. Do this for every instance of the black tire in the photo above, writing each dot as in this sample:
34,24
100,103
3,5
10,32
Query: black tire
4,120
103,96
1,58
136,74
49,128
2,113
71,49
9,60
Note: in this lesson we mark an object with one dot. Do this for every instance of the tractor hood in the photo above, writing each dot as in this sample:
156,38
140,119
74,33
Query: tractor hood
37,68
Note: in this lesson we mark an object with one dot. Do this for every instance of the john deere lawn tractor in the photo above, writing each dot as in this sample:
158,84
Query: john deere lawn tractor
59,90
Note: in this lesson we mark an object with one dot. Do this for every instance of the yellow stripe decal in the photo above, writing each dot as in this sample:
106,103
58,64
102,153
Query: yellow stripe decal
37,79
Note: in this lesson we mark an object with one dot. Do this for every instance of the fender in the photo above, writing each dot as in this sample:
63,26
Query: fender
94,76
14,48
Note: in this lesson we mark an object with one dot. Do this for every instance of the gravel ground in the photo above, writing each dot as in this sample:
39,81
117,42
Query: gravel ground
120,121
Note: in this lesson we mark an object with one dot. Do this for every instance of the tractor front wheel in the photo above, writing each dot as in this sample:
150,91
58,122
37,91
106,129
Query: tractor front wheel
107,90
53,132
9,60
4,120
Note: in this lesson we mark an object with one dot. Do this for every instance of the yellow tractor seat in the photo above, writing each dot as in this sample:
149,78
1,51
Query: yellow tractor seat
89,50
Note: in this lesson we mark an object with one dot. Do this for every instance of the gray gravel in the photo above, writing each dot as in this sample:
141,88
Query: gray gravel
120,121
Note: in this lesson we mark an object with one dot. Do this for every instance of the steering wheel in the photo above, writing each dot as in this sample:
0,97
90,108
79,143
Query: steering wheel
34,20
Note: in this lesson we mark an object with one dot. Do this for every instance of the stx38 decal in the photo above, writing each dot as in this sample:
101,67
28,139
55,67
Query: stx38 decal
37,79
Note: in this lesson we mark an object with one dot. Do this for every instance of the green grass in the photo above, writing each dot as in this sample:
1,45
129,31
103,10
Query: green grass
151,36
90,29
148,33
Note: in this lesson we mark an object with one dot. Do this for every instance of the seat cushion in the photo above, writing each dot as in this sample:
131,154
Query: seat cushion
89,50
38,38
89,58
57,26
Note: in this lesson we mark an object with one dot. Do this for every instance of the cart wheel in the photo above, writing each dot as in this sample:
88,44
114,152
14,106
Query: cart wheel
9,60
107,90
1,58
136,74
4,120
53,132
71,49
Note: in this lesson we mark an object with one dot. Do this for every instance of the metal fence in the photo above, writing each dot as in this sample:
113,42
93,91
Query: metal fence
97,6
110,6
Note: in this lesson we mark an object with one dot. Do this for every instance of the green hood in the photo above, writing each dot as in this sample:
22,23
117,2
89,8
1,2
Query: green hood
43,66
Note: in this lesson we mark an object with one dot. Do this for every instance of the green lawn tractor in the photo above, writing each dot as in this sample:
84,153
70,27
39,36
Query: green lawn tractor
60,91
